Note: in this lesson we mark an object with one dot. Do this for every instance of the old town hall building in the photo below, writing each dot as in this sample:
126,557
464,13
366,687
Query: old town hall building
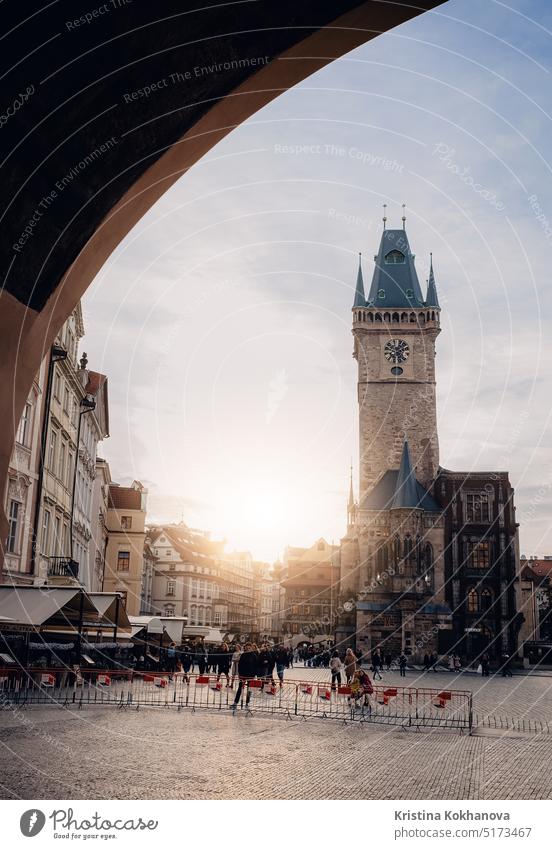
430,557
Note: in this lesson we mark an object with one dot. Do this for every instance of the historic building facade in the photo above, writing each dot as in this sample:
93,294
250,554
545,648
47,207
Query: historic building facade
430,559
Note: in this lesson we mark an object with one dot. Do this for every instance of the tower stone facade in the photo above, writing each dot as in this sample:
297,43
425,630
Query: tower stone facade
416,573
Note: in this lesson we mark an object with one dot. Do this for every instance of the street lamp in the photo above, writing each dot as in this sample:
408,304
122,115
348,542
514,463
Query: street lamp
87,406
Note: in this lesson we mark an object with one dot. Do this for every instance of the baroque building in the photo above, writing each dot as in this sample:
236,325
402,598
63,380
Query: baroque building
430,557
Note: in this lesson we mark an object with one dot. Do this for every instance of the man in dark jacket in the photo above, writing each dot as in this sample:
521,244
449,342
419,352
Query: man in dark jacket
248,668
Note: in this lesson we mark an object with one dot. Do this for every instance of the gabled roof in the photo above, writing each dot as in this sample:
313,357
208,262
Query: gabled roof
431,297
395,284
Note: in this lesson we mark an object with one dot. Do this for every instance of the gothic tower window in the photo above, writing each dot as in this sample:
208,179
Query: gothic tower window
473,601
394,258
477,507
479,554
486,599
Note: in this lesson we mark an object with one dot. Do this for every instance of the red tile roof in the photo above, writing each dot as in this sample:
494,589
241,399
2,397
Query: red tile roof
124,498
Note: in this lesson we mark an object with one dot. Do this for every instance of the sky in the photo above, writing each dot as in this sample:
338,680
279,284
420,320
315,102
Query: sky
223,320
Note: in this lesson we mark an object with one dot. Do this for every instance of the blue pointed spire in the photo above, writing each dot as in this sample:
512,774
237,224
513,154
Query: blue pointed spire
360,300
431,298
395,282
406,488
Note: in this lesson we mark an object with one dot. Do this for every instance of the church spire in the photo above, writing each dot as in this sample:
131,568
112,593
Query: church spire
406,488
360,300
431,298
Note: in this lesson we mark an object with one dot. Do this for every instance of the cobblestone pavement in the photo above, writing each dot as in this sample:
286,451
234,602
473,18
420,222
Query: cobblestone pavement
105,752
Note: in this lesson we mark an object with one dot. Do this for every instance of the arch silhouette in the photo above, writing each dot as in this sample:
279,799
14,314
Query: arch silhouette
112,113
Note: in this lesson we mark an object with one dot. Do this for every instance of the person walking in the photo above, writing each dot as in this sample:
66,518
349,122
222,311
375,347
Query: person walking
351,665
402,665
376,665
223,665
248,669
485,665
434,660
171,660
506,661
266,663
427,662
281,658
457,663
335,669
451,663
200,659
237,653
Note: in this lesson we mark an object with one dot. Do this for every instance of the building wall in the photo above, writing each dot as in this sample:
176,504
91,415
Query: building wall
310,581
21,487
125,549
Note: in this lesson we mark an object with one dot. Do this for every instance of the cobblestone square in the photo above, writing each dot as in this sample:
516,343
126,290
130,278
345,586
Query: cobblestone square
106,752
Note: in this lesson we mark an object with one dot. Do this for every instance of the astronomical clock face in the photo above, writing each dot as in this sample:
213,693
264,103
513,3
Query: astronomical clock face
396,351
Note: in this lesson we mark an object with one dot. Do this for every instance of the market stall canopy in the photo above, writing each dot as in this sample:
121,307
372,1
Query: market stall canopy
41,606
152,624
109,611
174,626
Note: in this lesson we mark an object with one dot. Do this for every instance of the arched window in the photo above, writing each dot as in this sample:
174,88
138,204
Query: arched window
397,550
412,318
407,548
433,316
404,316
394,257
486,599
378,316
381,294
395,316
473,601
371,316
381,559
193,614
386,316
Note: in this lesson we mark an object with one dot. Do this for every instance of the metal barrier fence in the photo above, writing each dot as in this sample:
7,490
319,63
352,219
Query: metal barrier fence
402,706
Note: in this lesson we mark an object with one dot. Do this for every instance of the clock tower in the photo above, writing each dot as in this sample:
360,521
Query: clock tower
394,330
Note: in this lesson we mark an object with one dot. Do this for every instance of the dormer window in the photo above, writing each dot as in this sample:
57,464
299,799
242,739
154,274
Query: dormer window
409,293
394,257
381,294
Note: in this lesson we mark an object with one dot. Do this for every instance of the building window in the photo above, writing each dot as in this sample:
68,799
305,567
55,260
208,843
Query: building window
171,586
61,461
52,450
218,617
57,387
169,610
13,526
168,552
479,555
477,507
23,431
486,599
123,561
57,536
126,523
394,257
473,601
45,533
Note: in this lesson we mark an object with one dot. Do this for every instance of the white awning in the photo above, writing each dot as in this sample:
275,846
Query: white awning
174,626
36,605
152,624
106,605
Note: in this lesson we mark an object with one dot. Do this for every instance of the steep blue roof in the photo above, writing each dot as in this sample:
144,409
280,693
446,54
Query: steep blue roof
360,300
406,486
395,282
431,298
399,489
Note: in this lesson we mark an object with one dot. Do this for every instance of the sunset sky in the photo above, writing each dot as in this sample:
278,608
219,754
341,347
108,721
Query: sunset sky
223,320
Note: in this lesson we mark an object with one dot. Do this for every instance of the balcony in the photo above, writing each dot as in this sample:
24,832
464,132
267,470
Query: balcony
63,567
